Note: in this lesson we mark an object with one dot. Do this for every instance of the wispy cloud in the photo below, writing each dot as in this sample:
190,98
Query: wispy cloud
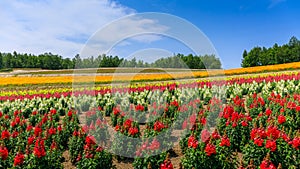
62,27
275,2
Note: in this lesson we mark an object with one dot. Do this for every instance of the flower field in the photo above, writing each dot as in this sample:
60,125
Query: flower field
245,122
138,77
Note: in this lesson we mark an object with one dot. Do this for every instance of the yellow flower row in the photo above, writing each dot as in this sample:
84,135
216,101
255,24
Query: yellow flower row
140,77
65,88
269,68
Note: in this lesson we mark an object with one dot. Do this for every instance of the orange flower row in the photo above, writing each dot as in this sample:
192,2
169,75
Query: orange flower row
141,77
259,69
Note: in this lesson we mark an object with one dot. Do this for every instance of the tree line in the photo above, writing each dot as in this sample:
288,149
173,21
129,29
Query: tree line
43,61
260,56
54,62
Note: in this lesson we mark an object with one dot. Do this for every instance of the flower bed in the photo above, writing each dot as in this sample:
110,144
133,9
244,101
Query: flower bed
240,122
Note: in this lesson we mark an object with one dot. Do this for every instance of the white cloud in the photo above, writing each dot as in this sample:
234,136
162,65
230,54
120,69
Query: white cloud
125,31
62,27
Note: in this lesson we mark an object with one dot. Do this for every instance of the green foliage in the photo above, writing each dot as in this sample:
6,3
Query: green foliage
260,56
54,62
43,61
188,62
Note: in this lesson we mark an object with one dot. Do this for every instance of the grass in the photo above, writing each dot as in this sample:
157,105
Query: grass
6,70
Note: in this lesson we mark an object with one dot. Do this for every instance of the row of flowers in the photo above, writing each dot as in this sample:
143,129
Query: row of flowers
27,80
245,83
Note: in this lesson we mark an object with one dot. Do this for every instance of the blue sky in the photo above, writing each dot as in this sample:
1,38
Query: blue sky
63,27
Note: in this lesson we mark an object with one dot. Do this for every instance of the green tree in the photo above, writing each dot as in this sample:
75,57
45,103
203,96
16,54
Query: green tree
286,53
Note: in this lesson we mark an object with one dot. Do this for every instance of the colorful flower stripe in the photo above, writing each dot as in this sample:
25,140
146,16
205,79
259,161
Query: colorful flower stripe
68,91
258,69
141,77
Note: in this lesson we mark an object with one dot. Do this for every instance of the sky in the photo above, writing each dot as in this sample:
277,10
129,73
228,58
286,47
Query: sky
66,27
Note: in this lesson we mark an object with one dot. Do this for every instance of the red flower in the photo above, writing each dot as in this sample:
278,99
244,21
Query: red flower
127,123
296,143
5,134
116,111
90,140
139,107
215,135
273,132
37,131
234,116
225,141
78,158
29,128
52,131
271,144
117,128
258,141
262,133
210,149
13,124
59,128
39,149
3,153
234,124
203,121
298,108
281,119
174,103
19,159
158,126
167,164
228,110
70,113
133,131
34,113
17,120
285,137
15,134
16,112
253,133
267,164
53,145
53,111
268,112
192,142
99,149
88,155
244,123
30,140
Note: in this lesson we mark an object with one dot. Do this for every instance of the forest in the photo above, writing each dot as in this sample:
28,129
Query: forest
54,62
261,56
